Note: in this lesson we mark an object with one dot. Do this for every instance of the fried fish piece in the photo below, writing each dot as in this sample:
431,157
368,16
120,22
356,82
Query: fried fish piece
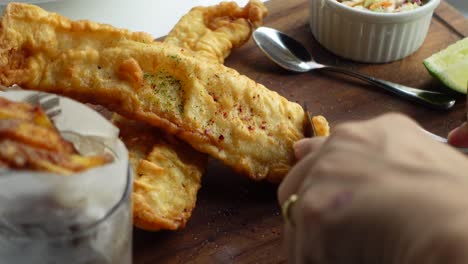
213,31
322,128
168,172
213,108
167,176
29,140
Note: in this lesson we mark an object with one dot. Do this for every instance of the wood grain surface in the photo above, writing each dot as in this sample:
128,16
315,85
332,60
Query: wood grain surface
238,221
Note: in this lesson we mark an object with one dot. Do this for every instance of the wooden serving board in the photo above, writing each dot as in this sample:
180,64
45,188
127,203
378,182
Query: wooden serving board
239,221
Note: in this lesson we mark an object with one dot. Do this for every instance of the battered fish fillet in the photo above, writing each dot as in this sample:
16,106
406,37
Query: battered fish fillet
28,140
211,107
322,129
213,31
167,176
168,172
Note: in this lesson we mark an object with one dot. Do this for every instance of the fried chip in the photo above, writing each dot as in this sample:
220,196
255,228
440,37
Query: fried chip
28,140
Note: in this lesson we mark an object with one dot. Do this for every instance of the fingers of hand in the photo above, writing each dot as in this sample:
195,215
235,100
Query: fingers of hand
372,131
290,243
326,194
344,182
308,145
459,136
311,213
393,121
295,178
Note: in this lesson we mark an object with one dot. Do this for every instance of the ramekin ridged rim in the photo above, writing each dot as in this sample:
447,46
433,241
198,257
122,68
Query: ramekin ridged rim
377,17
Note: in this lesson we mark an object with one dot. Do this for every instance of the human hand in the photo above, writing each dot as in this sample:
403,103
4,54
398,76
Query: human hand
378,191
459,136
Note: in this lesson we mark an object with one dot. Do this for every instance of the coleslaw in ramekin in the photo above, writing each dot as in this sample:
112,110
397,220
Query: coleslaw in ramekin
366,36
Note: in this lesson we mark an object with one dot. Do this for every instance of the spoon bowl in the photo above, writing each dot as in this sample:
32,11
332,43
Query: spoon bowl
283,50
291,55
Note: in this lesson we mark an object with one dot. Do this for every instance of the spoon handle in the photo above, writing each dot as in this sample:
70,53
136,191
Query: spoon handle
431,99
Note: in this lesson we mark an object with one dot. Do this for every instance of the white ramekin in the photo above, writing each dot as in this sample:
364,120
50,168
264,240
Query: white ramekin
368,36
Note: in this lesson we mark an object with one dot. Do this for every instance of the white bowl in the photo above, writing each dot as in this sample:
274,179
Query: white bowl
367,36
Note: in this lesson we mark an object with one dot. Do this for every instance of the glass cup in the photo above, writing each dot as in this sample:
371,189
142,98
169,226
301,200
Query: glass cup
84,218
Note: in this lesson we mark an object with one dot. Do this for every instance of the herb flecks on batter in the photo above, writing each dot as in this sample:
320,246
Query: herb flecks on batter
168,91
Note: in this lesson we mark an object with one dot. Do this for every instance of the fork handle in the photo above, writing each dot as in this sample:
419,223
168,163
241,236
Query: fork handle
431,99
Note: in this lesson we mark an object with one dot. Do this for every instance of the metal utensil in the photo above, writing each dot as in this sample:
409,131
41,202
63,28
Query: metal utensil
309,128
292,55
50,103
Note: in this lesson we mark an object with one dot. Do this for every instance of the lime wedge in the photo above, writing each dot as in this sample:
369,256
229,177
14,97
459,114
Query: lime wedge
450,66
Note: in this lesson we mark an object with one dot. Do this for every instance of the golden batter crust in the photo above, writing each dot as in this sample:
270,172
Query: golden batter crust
213,31
213,108
167,176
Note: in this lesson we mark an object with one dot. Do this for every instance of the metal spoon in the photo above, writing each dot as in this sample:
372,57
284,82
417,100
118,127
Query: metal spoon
292,55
